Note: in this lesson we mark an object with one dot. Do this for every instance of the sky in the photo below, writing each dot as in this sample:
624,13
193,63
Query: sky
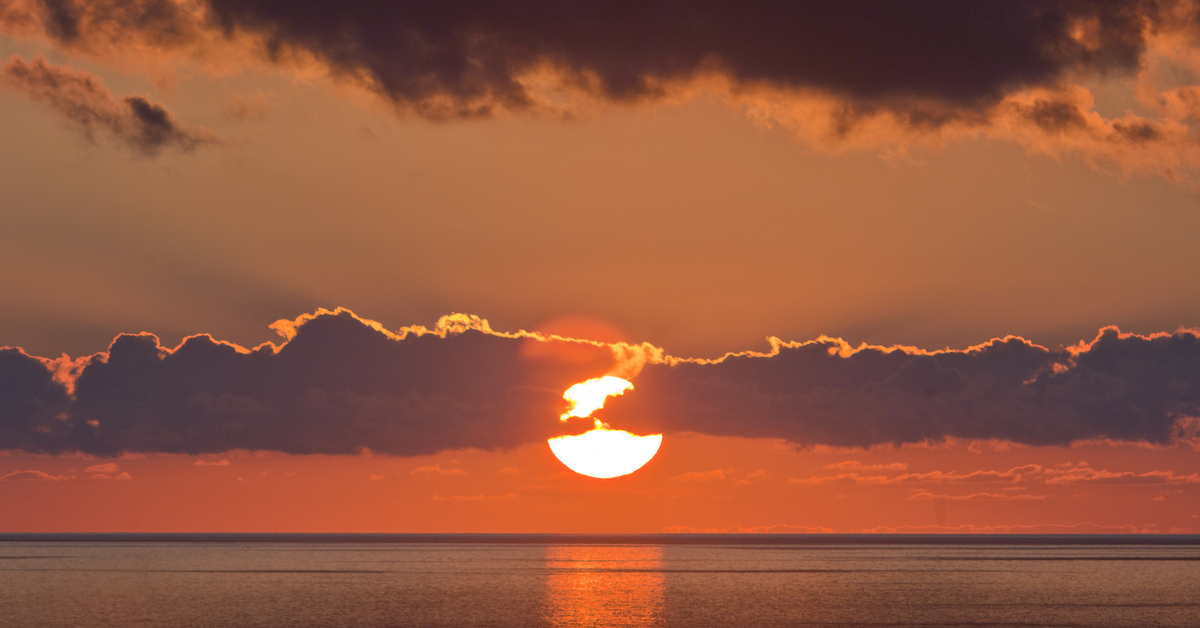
329,267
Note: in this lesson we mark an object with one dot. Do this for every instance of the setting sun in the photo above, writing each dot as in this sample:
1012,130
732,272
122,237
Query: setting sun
604,453
601,452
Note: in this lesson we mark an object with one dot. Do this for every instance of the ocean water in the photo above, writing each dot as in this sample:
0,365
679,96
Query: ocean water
528,581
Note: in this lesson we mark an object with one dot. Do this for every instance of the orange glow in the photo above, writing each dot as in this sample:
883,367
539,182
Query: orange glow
605,586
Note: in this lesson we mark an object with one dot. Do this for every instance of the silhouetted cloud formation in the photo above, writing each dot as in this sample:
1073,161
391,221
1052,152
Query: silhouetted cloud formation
875,75
337,386
464,57
476,53
32,404
341,384
1120,386
82,98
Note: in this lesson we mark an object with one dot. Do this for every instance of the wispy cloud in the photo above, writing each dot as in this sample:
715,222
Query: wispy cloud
702,476
476,498
82,99
435,469
33,474
979,496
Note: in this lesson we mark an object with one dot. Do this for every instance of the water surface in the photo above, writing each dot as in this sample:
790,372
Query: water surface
214,581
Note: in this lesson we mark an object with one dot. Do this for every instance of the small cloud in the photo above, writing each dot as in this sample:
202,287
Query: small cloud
82,99
702,476
854,465
107,467
1084,474
375,476
932,477
841,478
1042,528
33,474
436,469
779,528
976,496
253,107
212,463
476,498
124,475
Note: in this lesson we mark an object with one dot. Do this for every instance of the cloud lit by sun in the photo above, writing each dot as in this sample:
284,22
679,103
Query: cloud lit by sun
587,397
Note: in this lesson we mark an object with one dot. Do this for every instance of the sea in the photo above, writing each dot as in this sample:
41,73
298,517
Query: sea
519,581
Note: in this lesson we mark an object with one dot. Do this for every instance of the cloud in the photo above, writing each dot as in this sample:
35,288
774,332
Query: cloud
254,107
1084,474
476,498
779,528
842,478
212,463
1039,528
882,77
1012,475
340,384
858,466
108,467
468,58
33,474
702,476
978,496
434,469
82,99
124,475
1119,386
31,404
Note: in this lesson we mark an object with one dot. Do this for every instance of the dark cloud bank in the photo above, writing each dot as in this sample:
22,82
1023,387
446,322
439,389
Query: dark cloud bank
340,385
466,57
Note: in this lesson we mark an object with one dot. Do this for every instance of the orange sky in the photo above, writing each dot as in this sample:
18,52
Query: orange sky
699,209
695,483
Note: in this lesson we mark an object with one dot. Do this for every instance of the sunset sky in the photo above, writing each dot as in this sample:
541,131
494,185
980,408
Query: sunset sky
893,267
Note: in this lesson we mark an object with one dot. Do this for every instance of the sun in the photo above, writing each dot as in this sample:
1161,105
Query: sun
601,452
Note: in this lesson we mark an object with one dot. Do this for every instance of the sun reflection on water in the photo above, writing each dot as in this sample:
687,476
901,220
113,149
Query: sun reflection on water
604,586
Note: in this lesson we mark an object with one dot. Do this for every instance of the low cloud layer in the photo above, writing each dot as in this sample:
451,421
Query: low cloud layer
1119,386
341,384
338,385
82,99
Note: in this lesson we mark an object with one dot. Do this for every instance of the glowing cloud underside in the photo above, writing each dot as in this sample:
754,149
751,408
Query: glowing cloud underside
601,452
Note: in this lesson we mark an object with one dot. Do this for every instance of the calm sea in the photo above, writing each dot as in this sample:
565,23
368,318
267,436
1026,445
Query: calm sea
512,581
